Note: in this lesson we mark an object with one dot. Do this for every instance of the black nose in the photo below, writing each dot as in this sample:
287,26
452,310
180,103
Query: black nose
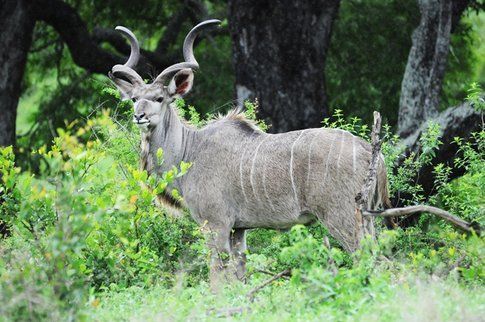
139,116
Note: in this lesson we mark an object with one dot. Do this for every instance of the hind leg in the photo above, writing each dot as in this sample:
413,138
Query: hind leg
238,250
341,222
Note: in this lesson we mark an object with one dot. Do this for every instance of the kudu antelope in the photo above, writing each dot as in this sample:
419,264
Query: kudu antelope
241,177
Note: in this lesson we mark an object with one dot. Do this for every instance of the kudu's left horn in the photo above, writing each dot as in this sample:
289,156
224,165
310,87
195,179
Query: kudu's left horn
126,69
188,50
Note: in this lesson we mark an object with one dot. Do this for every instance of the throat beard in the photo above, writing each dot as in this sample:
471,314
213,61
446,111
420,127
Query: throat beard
165,199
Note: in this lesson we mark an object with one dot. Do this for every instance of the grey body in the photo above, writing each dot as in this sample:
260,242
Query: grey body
241,177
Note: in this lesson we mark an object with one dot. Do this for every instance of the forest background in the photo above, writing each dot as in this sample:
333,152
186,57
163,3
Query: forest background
82,239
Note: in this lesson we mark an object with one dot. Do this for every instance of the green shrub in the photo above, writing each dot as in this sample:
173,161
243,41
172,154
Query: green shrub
85,226
87,221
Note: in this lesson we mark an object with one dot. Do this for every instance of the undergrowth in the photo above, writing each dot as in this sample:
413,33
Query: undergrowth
88,243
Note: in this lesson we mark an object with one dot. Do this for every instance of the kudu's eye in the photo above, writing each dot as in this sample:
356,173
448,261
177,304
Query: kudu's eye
134,99
159,99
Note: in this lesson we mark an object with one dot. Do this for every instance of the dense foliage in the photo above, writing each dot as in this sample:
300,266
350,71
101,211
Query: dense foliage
87,241
366,60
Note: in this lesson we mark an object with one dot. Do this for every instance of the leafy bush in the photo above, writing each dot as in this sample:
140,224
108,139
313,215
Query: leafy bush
86,221
84,228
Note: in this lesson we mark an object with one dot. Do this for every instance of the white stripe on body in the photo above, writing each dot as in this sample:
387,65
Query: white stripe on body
251,174
291,170
309,162
354,161
241,169
328,158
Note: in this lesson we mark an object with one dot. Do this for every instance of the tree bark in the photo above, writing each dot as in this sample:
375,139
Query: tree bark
279,51
17,25
421,88
85,51
423,76
422,84
459,121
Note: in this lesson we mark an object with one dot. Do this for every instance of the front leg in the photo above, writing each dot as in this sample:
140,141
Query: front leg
218,242
238,251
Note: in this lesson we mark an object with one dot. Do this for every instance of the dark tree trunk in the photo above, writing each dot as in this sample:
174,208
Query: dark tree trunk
421,89
16,25
421,85
459,121
279,51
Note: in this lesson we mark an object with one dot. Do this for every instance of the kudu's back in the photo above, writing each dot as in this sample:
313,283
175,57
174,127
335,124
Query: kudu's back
249,179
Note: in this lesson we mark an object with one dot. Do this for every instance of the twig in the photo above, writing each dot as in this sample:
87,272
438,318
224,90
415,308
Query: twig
251,293
227,312
330,261
362,198
397,212
268,272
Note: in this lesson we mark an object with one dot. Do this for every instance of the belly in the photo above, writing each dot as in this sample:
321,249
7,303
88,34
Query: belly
279,221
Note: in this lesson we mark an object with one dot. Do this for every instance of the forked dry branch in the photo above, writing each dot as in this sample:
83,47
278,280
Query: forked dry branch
404,211
363,202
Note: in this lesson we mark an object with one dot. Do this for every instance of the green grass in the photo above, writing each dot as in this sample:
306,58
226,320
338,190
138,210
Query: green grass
88,244
407,298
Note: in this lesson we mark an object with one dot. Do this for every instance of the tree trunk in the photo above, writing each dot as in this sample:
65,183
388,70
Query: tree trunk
279,51
421,85
421,89
16,24
459,121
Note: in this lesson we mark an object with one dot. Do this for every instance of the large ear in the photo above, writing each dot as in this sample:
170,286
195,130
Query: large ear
123,86
181,82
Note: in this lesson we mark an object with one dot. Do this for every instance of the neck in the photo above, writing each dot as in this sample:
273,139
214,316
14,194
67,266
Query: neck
172,136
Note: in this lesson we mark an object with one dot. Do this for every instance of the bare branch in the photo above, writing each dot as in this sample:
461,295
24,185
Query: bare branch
398,212
362,198
73,31
251,294
366,225
363,202
227,312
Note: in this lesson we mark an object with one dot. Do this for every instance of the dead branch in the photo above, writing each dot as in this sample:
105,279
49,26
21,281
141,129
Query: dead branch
231,311
363,202
250,295
366,225
362,198
269,273
397,212
228,311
